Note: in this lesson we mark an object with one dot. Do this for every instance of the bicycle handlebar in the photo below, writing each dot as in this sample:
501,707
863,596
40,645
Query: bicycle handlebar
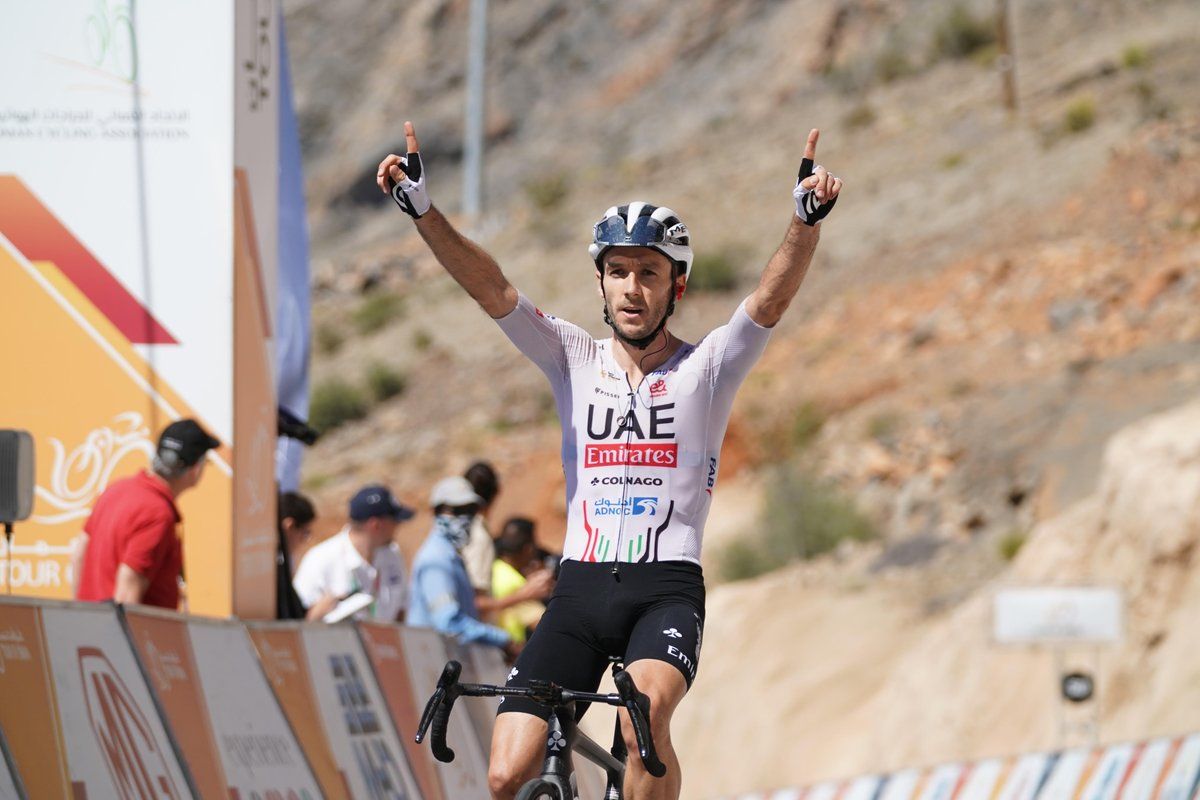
638,706
437,711
448,690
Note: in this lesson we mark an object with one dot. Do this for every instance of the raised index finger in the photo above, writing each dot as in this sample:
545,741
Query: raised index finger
410,138
810,149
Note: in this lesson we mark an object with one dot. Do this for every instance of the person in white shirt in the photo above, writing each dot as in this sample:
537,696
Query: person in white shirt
359,568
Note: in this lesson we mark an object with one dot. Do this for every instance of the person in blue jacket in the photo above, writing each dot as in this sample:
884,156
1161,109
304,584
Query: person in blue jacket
441,595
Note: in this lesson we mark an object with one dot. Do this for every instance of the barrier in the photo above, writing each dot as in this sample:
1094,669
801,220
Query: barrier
101,701
465,778
72,688
281,652
10,785
1158,769
405,703
354,714
211,690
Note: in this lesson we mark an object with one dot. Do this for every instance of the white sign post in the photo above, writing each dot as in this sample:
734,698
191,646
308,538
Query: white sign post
1062,618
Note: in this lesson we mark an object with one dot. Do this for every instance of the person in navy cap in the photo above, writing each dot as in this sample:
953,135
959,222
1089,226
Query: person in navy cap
358,572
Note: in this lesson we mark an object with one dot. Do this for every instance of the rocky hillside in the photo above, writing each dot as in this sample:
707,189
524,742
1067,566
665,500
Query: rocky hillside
858,677
994,298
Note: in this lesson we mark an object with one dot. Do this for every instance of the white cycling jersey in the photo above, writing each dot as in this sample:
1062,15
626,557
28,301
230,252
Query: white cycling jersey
640,462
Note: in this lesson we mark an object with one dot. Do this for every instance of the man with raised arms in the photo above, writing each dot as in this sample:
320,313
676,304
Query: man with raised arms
644,414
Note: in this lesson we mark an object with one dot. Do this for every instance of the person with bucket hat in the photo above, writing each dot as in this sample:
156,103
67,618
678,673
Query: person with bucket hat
442,596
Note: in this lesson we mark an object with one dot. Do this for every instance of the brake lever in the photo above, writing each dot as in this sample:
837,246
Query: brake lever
638,706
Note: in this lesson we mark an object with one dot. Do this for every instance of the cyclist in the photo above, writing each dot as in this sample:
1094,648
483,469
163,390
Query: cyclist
644,414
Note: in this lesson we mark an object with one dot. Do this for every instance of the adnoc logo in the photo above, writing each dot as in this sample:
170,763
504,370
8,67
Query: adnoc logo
631,507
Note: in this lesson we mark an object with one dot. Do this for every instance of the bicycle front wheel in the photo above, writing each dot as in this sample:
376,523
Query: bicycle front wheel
541,789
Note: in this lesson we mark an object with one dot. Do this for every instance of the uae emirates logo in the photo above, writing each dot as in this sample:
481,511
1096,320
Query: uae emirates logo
631,455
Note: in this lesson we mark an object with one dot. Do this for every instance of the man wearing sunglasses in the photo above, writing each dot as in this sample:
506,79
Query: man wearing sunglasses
644,415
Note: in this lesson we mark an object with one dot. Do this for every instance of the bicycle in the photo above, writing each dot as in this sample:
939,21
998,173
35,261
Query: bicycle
557,781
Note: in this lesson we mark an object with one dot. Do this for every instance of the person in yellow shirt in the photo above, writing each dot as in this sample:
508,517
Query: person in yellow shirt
515,552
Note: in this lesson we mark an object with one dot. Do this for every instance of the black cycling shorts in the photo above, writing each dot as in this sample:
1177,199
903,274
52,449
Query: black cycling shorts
653,610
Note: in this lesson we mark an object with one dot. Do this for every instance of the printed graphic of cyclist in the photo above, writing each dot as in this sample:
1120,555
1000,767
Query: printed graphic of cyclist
644,415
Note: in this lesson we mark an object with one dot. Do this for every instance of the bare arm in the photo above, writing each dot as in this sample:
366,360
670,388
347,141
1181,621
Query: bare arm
783,274
79,547
785,271
467,262
129,585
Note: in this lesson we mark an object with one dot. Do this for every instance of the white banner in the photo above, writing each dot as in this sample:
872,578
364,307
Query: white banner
1144,778
941,782
1067,773
1184,775
1025,778
901,785
1049,615
121,126
1110,771
257,747
982,781
355,716
116,744
466,776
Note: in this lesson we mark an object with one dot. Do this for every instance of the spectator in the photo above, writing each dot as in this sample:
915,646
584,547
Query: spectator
295,514
130,551
480,551
442,596
359,564
516,554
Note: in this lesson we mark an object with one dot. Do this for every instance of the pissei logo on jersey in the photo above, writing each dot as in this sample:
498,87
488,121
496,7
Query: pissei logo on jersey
638,437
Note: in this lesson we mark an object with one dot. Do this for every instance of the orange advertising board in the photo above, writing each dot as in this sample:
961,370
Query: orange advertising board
30,705
165,651
386,653
281,653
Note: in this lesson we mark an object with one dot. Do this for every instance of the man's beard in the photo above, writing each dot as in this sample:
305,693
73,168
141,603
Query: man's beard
643,341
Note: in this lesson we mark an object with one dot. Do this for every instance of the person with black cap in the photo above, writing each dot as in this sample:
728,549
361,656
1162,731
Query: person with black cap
359,571
131,552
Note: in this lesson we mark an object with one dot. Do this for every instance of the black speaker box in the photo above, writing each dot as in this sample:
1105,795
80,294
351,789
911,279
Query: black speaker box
16,475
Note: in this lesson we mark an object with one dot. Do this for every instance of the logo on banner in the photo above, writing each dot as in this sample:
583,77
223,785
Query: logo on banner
134,758
631,455
12,648
78,477
378,765
165,666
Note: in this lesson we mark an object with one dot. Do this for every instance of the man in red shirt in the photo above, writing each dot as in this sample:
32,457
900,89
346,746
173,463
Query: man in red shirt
133,554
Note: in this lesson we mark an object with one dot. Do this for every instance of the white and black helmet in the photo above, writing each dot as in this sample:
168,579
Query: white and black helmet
640,224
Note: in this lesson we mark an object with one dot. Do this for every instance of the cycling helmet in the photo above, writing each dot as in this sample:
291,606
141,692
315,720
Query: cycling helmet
640,224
